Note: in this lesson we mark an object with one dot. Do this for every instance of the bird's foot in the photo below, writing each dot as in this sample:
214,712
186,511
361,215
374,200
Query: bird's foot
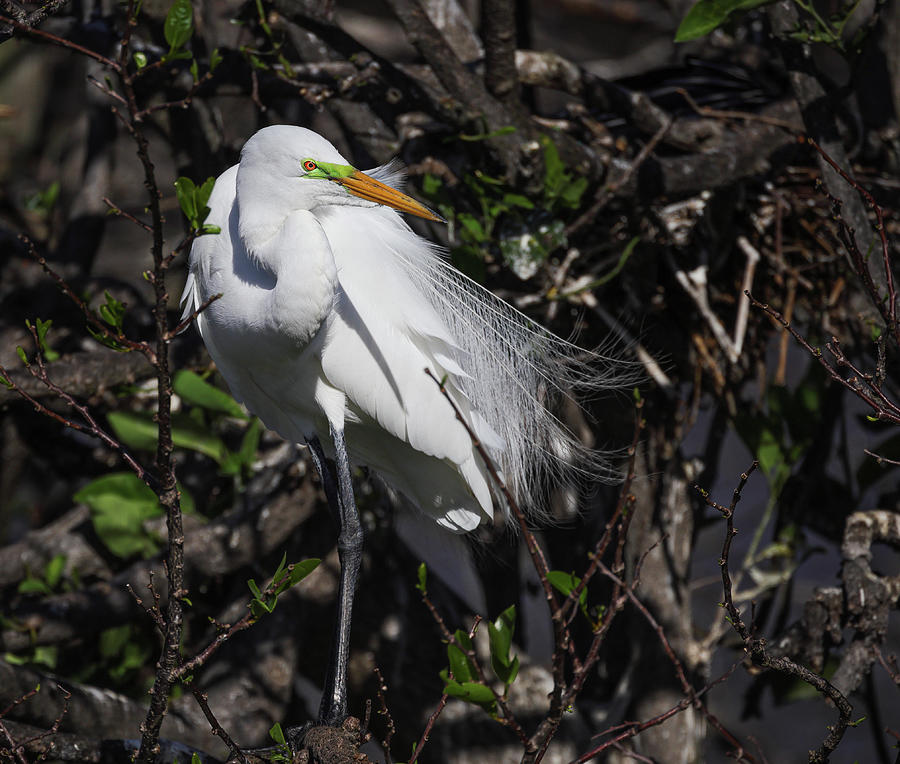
325,744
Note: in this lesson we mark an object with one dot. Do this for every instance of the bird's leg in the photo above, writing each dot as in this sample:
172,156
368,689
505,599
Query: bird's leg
333,709
318,456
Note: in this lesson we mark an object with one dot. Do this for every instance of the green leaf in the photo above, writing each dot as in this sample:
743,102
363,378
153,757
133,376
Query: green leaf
119,505
472,227
112,641
43,202
215,58
298,571
195,758
197,391
45,655
555,174
176,56
517,200
54,570
195,70
423,578
23,357
113,312
276,733
140,59
770,452
138,430
179,24
460,665
500,633
280,569
40,329
250,443
572,192
431,184
32,585
472,692
186,192
565,583
707,15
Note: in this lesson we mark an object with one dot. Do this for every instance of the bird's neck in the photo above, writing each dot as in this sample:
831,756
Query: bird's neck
261,217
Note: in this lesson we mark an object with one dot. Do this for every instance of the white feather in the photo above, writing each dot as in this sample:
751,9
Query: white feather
329,319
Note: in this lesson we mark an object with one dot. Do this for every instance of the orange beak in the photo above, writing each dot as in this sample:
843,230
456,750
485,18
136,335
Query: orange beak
365,187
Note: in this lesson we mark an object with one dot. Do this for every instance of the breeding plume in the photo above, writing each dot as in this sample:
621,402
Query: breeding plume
331,310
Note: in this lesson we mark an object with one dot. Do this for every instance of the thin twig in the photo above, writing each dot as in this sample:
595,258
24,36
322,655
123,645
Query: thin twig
119,212
217,729
756,646
606,194
383,711
427,731
862,385
192,316
747,116
890,311
631,729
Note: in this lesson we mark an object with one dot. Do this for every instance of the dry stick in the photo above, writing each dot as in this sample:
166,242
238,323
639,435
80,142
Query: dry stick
781,369
891,315
152,612
889,664
694,284
747,116
192,316
98,325
20,747
62,42
181,103
608,192
635,728
755,647
35,17
431,720
861,384
686,687
90,428
391,729
743,312
119,212
19,752
15,749
167,490
217,729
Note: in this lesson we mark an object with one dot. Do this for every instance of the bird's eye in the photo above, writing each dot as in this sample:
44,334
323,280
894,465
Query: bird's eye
309,165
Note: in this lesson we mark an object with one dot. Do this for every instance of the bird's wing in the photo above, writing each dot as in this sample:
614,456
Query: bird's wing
273,380
382,337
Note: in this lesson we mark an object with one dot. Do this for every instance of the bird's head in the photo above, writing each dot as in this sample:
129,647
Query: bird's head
289,168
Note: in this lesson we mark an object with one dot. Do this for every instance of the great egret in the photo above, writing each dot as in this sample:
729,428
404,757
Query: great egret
331,310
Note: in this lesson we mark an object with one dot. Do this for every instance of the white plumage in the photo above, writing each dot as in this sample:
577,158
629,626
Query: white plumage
331,309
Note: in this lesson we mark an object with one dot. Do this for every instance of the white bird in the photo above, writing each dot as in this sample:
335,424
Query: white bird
331,309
